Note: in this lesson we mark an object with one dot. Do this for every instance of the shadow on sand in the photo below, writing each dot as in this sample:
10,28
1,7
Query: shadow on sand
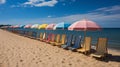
110,57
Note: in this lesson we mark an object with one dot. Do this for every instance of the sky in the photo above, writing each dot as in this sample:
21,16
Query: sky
106,13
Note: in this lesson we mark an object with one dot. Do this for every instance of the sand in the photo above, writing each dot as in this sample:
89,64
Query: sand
19,51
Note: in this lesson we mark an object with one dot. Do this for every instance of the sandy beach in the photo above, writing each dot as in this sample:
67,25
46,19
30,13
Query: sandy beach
19,51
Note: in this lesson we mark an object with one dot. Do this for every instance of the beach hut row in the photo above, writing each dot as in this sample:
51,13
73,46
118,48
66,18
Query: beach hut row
66,41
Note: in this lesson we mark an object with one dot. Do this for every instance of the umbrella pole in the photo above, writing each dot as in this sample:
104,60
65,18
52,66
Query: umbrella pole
84,41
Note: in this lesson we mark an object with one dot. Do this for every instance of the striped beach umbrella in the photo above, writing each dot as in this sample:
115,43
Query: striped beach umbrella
28,26
50,27
42,26
63,25
22,26
16,26
84,25
35,26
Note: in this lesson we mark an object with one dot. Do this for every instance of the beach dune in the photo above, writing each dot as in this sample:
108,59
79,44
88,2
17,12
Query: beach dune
19,51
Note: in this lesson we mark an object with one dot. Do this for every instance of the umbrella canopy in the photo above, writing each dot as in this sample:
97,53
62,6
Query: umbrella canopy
22,26
35,26
4,27
50,27
16,26
11,26
38,26
63,25
84,25
28,26
42,26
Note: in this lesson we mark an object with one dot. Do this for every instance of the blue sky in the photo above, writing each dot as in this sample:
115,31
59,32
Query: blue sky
104,12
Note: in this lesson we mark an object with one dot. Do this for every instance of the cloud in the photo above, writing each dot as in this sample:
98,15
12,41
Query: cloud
40,3
49,16
17,6
110,10
2,1
103,19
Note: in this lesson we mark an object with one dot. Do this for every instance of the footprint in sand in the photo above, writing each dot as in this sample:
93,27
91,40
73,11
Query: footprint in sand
49,58
63,58
36,62
70,64
21,60
13,48
46,55
63,62
78,60
36,56
33,52
40,61
18,47
39,49
33,58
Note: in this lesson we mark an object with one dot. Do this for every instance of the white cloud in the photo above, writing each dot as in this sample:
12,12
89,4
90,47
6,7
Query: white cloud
12,6
49,16
40,3
111,9
2,1
101,19
104,20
